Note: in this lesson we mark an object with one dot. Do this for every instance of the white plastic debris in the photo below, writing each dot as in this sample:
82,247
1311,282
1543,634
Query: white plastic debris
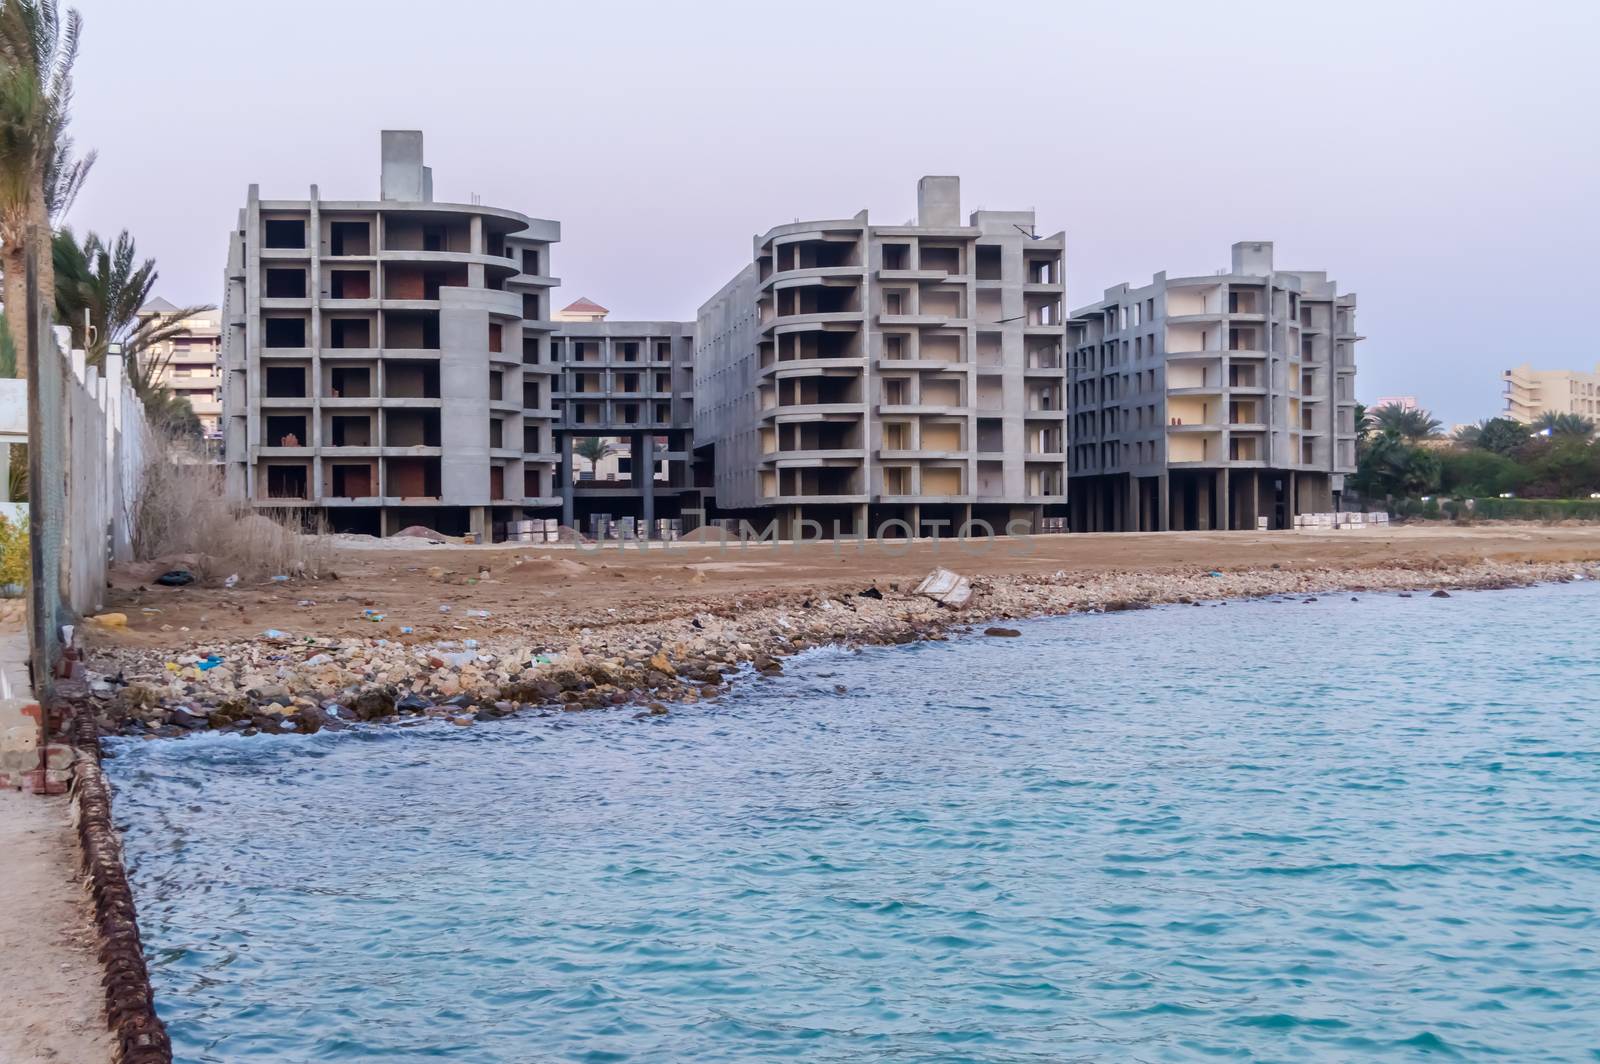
946,588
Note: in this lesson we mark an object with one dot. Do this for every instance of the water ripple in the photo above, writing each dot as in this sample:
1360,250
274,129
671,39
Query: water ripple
1351,830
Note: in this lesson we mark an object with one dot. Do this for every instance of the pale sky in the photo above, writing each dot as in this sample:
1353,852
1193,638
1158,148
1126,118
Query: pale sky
1441,159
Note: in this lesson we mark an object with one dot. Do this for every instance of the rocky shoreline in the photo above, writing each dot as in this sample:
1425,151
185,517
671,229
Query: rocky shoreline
287,685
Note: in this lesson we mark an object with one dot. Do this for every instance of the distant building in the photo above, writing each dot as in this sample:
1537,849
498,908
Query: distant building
582,309
1531,393
187,362
1215,401
1404,402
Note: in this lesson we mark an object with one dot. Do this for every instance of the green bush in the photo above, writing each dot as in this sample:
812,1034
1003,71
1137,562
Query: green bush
13,552
1537,509
1475,472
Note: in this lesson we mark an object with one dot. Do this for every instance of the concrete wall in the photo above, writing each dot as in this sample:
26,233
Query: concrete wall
93,446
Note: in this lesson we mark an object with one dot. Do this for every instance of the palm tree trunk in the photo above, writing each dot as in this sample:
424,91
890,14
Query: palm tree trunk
42,231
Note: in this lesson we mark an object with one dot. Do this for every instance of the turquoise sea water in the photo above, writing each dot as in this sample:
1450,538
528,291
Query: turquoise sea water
1270,831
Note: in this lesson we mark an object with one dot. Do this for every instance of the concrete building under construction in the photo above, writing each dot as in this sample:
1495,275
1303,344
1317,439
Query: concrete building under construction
858,374
1213,402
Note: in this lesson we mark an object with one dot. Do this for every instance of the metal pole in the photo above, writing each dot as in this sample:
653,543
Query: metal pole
41,615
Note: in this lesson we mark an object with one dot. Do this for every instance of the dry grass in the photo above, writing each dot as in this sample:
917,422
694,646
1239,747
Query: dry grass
183,509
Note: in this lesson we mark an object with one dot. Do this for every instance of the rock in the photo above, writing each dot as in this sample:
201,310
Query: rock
659,662
1009,633
870,593
184,719
412,703
312,719
110,620
373,704
1441,593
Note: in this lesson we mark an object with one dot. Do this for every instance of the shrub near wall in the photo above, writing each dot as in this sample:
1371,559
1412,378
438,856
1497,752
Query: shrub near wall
13,553
1537,509
1495,509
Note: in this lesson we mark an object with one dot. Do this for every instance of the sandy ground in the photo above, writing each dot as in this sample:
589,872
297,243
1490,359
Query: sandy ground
51,1003
544,588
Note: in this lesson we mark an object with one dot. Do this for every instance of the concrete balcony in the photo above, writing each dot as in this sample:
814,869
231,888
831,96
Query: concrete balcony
813,459
810,275
794,322
815,367
815,412
924,321
918,454
959,410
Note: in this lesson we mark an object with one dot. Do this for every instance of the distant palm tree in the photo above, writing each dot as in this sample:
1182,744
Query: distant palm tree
1553,424
1363,422
100,295
1392,419
39,177
594,448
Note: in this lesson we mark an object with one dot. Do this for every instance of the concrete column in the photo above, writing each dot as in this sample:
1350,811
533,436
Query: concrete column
1255,501
1163,503
1224,501
914,519
1202,504
860,517
478,521
1294,500
564,471
645,465
1134,522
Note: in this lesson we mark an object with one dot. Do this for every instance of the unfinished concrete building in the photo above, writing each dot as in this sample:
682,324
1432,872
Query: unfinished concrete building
626,414
1212,402
388,362
861,374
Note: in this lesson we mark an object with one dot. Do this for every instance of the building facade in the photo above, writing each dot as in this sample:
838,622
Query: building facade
388,362
861,373
1532,393
186,362
625,401
1212,402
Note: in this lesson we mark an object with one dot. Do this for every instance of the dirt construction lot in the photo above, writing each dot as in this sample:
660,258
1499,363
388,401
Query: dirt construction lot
538,588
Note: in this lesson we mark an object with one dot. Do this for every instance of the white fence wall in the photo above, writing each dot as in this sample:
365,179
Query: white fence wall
105,436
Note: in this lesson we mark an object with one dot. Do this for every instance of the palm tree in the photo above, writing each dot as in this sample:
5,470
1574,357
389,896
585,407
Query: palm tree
1554,424
1413,425
1501,435
101,295
39,176
1363,423
594,448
